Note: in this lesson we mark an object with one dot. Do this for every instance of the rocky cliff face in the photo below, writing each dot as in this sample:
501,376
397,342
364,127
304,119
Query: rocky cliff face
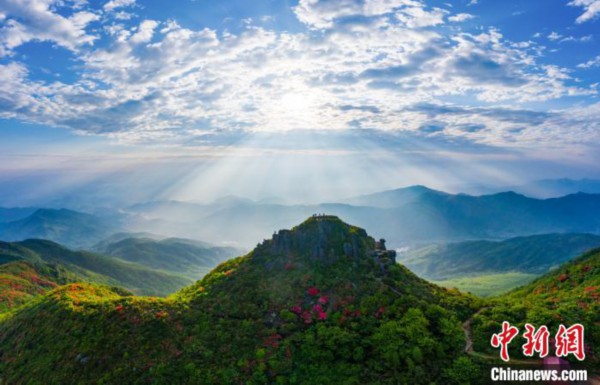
322,238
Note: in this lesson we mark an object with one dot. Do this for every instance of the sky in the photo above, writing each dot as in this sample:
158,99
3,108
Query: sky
303,100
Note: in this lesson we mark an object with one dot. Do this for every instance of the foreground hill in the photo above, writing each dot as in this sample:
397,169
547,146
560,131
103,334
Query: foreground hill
568,295
22,281
93,267
533,254
321,303
183,256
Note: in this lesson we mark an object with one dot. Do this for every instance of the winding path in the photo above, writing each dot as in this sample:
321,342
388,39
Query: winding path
466,326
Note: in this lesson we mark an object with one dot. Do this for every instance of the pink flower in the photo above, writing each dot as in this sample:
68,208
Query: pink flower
322,316
312,291
323,300
318,308
307,317
296,309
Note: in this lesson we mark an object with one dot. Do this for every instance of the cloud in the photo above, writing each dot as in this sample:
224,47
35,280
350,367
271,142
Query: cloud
418,17
36,20
554,36
591,9
323,14
144,32
114,4
594,62
356,65
460,17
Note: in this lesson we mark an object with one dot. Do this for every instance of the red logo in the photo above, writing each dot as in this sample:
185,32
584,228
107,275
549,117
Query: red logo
537,341
503,339
568,340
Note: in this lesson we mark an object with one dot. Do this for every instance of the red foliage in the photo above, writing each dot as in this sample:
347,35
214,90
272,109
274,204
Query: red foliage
161,314
312,291
380,312
119,308
272,341
586,268
563,277
289,266
307,317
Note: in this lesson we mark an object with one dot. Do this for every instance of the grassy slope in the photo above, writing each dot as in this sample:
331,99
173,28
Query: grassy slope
22,281
182,256
487,285
568,295
90,267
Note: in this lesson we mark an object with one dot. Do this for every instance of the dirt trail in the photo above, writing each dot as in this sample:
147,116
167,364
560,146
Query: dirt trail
466,326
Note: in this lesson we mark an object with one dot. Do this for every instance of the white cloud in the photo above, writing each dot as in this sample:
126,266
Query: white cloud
114,4
417,17
591,9
460,17
145,32
554,36
595,62
321,14
35,20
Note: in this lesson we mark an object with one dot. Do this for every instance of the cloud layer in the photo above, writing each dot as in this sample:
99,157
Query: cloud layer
394,65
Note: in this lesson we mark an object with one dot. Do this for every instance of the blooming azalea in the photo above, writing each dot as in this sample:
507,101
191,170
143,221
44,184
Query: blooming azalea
312,291
323,300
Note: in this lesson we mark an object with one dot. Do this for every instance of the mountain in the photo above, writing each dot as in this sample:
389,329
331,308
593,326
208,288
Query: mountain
9,214
432,217
67,227
567,295
534,254
94,267
394,198
320,303
183,256
549,188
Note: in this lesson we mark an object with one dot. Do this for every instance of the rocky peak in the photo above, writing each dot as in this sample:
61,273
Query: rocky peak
323,238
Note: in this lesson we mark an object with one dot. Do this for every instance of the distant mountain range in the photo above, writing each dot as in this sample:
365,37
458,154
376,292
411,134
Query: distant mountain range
67,227
552,188
412,215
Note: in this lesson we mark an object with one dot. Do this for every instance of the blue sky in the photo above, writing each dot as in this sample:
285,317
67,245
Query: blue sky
434,92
